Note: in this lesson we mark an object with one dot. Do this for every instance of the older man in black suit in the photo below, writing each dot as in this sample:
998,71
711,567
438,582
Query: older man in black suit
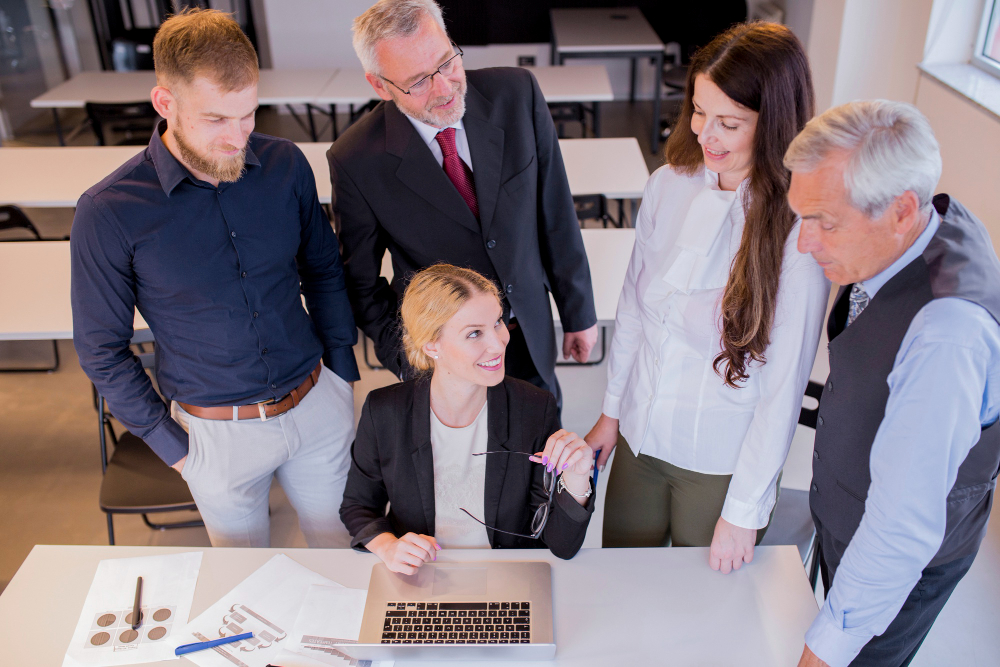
458,167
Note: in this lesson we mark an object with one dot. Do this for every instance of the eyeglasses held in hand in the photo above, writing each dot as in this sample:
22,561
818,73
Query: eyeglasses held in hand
424,85
541,513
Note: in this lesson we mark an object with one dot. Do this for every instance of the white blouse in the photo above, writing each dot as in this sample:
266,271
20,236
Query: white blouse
661,384
459,481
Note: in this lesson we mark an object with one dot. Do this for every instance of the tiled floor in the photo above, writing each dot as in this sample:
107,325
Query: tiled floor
50,469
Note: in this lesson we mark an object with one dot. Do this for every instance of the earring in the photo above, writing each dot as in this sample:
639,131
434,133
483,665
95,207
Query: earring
435,356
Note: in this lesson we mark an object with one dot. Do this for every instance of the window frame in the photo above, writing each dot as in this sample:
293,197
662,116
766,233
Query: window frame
990,18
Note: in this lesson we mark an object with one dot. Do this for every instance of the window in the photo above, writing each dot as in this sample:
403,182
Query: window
987,53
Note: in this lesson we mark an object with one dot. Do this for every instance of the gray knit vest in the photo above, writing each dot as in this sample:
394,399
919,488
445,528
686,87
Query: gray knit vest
959,262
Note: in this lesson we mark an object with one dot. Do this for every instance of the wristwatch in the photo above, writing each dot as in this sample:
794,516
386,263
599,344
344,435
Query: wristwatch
562,486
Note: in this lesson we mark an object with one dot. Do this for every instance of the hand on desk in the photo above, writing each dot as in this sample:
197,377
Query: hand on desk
809,659
179,466
578,344
731,546
604,436
406,554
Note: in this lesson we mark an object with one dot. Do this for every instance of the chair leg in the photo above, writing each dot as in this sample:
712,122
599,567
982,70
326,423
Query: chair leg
194,523
55,354
111,529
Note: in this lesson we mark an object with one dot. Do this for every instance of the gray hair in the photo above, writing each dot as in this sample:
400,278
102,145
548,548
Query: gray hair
891,149
388,19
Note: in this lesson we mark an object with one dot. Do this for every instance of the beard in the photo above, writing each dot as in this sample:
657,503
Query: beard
225,169
441,117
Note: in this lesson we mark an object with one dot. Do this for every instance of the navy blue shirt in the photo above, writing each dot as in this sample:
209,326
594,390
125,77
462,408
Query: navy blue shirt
216,272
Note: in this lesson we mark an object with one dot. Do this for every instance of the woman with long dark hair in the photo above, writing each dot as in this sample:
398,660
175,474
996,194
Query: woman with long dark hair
720,315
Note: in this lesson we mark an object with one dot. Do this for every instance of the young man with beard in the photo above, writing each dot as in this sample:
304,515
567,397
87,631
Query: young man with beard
211,233
462,168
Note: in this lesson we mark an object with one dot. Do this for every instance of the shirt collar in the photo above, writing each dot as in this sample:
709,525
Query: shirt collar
169,169
874,284
428,132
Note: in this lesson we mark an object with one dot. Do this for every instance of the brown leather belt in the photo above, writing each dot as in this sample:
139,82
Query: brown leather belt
262,411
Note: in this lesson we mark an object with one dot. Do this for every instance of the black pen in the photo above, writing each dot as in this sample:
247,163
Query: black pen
135,605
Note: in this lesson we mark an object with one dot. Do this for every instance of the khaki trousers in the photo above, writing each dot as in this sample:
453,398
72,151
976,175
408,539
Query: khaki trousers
651,503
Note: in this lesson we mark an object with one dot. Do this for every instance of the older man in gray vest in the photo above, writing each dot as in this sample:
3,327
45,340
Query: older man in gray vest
907,441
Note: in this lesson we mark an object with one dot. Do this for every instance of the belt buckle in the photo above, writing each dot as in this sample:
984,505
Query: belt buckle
260,409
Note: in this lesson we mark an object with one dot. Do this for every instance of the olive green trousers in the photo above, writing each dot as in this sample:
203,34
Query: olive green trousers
651,503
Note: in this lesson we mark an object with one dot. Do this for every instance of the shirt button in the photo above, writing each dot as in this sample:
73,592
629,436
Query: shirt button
829,385
243,275
820,421
274,386
814,487
816,455
510,288
233,234
264,351
657,362
255,314
491,244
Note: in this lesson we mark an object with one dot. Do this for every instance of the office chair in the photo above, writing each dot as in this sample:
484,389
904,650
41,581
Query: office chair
593,207
135,480
13,218
135,119
792,520
674,81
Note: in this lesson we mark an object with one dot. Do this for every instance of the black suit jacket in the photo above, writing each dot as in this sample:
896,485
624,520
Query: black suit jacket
389,192
392,462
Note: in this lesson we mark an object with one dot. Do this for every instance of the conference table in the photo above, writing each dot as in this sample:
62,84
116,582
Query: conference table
315,88
615,32
610,606
56,177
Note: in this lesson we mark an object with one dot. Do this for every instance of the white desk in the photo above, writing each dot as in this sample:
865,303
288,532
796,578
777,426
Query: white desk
35,303
586,84
610,606
620,32
276,87
56,177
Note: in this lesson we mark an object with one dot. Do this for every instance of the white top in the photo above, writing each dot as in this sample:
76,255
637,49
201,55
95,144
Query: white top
459,481
661,383
429,132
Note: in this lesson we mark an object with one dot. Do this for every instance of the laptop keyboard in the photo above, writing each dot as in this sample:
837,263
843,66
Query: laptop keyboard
457,623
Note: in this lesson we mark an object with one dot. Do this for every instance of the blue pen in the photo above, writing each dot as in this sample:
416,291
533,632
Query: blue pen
596,455
201,646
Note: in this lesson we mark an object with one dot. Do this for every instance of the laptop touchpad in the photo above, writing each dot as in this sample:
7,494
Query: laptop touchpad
449,581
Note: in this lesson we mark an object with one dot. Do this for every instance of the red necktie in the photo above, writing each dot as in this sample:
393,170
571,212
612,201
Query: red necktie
458,171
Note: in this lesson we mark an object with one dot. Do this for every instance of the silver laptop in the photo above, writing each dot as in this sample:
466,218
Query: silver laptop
458,611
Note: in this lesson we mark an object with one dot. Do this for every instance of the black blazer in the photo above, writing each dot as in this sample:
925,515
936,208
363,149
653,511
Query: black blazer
392,462
389,192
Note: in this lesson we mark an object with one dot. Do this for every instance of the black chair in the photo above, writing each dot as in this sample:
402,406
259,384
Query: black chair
593,207
792,521
674,82
13,218
135,119
137,481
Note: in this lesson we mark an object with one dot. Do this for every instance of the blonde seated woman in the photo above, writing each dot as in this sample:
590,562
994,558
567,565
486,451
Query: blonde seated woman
463,456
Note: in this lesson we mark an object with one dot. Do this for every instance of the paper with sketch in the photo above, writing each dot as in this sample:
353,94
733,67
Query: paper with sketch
104,634
329,615
265,603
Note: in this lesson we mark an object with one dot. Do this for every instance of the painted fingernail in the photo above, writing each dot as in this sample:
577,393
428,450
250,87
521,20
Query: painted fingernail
545,459
564,466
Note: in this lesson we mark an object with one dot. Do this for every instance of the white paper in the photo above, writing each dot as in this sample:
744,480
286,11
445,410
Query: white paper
104,635
329,615
266,603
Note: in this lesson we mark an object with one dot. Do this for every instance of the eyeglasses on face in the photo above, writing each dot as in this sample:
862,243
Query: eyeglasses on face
541,512
423,86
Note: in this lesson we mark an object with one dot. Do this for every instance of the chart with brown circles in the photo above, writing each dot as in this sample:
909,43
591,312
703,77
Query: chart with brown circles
112,630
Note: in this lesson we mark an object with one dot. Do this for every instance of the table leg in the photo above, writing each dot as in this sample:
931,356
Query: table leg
333,120
59,132
658,62
597,119
631,81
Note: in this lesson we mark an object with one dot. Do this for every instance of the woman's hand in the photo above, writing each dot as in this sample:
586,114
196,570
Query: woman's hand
731,546
566,452
604,437
406,554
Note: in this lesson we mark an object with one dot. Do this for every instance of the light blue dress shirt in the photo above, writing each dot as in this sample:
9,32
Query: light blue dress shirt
944,386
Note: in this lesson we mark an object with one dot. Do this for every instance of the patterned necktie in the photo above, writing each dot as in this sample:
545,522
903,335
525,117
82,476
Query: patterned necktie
458,171
859,301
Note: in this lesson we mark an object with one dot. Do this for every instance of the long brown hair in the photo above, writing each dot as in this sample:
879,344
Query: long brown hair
763,67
